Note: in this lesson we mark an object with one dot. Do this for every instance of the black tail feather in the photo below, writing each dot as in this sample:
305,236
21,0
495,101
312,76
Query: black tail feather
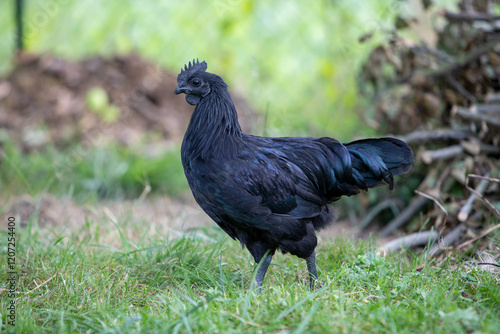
377,160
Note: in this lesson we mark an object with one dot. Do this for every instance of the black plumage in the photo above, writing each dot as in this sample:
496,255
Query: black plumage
273,193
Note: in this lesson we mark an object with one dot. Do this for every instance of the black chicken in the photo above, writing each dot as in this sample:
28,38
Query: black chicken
273,193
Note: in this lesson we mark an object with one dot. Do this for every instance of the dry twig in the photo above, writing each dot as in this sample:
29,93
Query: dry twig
391,203
468,242
411,210
411,240
470,16
444,134
466,209
434,200
447,240
475,117
449,152
492,207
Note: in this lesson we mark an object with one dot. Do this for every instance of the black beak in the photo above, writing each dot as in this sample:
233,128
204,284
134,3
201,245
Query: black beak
179,90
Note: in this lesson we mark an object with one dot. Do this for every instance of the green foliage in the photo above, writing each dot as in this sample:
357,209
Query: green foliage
117,277
91,173
368,265
296,60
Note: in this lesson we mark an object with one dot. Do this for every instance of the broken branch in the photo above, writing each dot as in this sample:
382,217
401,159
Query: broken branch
484,199
449,152
466,209
411,240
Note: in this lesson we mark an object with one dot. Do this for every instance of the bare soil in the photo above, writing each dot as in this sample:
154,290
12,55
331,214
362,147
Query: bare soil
45,99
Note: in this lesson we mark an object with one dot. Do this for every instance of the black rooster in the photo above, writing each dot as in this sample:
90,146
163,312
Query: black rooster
273,193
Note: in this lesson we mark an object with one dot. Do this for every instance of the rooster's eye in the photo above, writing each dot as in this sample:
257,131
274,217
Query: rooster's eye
196,82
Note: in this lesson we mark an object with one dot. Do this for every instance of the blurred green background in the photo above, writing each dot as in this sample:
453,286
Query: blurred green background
294,62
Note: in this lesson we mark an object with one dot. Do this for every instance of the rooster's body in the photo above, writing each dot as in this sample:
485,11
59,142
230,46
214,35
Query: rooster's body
273,193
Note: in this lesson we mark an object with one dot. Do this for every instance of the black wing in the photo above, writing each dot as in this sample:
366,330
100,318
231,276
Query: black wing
280,178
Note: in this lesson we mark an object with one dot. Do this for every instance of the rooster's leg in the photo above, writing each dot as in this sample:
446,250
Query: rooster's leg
311,267
261,273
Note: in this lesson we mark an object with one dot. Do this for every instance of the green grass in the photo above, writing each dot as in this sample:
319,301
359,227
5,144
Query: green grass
88,174
119,277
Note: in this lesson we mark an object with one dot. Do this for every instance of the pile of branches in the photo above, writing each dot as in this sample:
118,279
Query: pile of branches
444,100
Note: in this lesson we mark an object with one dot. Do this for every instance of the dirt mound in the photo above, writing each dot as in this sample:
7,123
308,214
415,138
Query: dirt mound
46,99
